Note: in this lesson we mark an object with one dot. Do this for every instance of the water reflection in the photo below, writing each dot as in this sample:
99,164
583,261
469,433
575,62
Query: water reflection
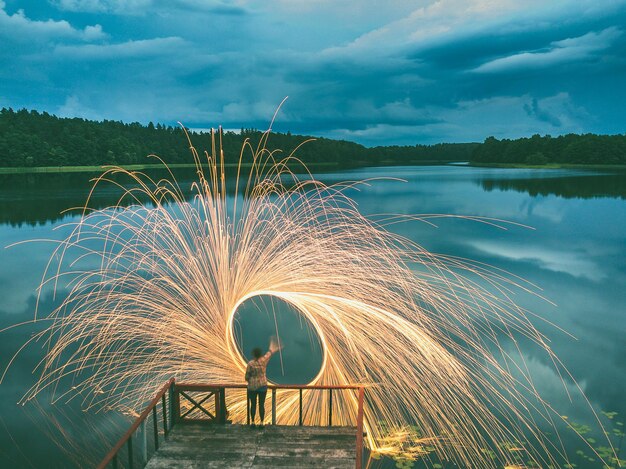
575,251
585,187
37,199
42,434
40,198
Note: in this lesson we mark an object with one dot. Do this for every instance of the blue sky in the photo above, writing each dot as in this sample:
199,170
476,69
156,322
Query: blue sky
371,71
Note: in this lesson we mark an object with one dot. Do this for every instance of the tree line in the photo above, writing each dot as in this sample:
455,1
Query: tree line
566,149
34,139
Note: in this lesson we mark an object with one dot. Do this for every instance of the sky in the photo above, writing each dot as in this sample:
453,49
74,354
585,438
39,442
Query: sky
378,72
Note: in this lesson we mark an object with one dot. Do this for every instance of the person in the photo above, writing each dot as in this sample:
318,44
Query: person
257,381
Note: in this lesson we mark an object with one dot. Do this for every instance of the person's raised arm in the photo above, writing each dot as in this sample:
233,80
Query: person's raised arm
274,347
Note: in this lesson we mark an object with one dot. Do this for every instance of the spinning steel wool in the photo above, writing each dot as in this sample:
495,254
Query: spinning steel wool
154,288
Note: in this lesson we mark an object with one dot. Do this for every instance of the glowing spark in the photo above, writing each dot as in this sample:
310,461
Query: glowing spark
153,292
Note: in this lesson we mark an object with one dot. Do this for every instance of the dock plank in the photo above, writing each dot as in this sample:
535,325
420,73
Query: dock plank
203,446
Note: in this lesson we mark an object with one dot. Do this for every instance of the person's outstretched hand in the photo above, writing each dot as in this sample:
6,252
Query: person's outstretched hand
275,345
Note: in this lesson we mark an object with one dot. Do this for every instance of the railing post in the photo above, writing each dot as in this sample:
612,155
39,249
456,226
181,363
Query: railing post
300,422
165,427
142,441
175,415
130,452
273,406
330,407
171,393
222,409
216,398
247,407
139,425
155,427
359,430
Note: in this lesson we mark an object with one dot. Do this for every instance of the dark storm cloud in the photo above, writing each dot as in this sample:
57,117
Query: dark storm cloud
535,111
446,70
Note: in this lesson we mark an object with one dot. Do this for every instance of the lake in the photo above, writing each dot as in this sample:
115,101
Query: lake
572,246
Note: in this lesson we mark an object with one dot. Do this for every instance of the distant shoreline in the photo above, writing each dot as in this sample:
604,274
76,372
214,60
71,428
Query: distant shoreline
603,167
326,165
130,167
33,142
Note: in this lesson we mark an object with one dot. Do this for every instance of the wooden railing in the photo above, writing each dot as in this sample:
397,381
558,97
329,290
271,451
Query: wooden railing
127,439
178,391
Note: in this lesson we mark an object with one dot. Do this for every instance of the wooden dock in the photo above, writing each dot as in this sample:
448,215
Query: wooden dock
197,445
190,430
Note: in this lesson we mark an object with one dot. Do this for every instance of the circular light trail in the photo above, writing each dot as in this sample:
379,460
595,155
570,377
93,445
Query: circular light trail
153,288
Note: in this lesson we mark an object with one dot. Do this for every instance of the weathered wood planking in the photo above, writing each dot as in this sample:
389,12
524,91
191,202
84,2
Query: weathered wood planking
201,446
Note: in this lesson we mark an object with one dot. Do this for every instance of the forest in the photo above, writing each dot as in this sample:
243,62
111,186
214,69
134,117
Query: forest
588,149
34,139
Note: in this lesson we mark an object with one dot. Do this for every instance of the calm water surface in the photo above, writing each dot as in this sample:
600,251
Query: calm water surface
574,250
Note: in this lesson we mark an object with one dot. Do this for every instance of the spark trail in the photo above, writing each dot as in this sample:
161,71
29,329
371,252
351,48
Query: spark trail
154,288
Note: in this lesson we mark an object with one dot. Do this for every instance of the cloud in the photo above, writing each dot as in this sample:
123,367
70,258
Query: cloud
74,108
569,262
519,116
130,49
558,52
142,7
216,7
103,6
428,24
466,120
534,110
558,111
397,74
19,27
